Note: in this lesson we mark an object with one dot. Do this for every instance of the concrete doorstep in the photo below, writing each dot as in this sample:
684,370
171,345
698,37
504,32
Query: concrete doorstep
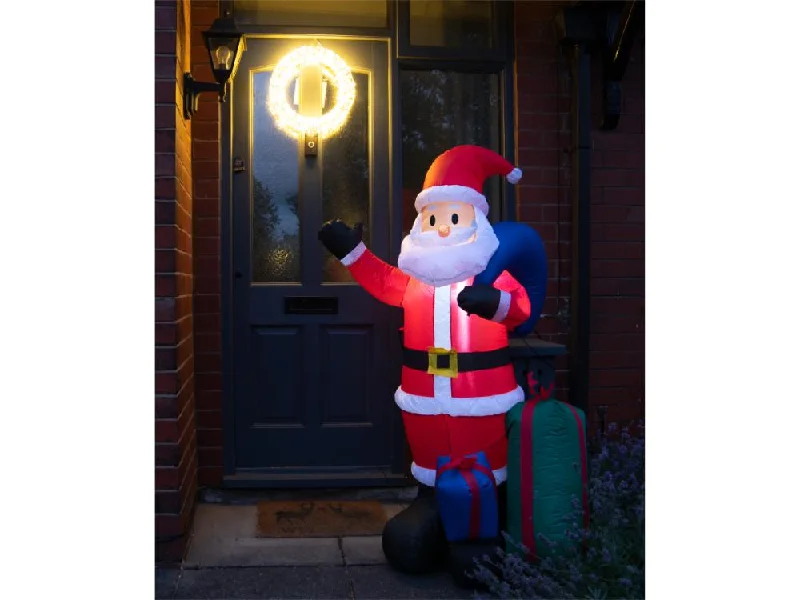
227,560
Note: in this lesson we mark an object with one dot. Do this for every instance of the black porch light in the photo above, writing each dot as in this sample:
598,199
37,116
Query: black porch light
225,45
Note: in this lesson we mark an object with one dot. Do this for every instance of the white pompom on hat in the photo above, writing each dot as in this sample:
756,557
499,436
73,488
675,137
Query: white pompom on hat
458,175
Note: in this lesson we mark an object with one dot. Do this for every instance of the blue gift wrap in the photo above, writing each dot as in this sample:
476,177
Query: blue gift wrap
466,494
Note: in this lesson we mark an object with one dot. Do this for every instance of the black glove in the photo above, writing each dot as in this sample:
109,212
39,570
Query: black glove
481,300
339,239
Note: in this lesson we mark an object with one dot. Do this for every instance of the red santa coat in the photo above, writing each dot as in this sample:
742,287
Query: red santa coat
444,415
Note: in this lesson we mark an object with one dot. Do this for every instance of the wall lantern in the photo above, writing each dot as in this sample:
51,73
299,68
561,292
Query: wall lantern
287,73
225,45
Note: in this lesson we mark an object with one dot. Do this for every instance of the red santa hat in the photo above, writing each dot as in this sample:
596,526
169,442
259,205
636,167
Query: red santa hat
458,175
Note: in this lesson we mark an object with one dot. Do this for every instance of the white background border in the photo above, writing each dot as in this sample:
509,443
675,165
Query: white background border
723,146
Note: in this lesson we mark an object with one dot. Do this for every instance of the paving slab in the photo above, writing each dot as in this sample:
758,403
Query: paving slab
166,582
380,582
264,552
365,550
221,521
305,583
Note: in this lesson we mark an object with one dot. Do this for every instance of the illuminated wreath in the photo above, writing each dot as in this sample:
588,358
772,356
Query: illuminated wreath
288,69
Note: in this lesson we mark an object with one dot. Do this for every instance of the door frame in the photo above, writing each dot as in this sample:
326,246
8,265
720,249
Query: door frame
397,62
397,475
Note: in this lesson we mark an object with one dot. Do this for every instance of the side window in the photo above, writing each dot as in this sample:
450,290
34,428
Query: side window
442,109
454,66
374,13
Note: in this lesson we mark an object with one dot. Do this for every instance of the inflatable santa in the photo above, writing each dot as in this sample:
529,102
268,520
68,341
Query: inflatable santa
457,378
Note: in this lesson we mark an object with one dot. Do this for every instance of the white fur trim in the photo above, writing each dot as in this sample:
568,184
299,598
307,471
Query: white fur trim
514,176
502,308
428,476
451,193
441,336
354,255
483,406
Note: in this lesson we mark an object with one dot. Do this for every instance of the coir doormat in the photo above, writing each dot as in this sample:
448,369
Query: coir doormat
320,518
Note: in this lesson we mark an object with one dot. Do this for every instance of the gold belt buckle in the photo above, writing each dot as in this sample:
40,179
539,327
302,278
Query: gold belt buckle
451,370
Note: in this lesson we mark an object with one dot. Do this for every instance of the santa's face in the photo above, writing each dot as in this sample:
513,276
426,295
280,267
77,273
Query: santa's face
449,243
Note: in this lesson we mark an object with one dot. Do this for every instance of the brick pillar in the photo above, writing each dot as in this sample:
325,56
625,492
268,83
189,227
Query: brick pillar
616,377
616,358
543,137
176,453
208,321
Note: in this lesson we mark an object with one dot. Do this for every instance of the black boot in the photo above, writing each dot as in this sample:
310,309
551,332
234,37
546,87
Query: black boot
413,540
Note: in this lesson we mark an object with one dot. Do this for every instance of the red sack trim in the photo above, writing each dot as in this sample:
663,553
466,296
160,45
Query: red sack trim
465,465
526,477
584,466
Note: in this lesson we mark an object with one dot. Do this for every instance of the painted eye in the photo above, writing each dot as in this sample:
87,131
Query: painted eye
454,219
432,221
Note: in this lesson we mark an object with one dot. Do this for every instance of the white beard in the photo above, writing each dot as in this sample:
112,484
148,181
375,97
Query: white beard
438,261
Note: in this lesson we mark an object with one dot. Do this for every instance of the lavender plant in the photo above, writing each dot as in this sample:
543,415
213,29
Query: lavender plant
604,562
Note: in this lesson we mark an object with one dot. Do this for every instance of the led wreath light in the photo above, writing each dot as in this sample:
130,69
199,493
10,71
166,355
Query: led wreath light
288,69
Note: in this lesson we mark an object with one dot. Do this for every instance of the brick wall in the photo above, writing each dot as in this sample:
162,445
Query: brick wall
208,321
543,141
175,431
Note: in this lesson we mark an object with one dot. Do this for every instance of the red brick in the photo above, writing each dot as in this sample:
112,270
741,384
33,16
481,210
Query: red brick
623,196
165,164
206,246
166,42
165,261
165,142
207,342
165,67
209,419
207,284
168,502
617,305
167,406
618,250
209,399
623,159
605,323
537,103
616,360
166,334
165,285
165,188
618,287
167,455
617,268
205,151
167,383
165,309
616,377
206,188
166,430
209,457
166,18
207,265
210,438
622,232
209,381
165,117
205,131
209,476
611,342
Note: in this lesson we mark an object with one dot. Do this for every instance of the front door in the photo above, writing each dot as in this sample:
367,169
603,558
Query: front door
316,359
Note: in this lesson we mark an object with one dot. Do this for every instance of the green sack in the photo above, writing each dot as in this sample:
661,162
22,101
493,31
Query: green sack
550,463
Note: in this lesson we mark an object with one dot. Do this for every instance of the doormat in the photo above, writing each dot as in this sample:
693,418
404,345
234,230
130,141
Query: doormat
320,518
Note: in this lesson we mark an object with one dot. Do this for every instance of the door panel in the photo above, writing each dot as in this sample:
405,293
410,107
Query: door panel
310,394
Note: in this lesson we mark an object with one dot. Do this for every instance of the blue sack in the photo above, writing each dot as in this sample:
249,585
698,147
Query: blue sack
466,494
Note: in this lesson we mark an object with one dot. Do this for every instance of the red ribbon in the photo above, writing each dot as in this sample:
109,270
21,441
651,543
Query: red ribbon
542,393
466,465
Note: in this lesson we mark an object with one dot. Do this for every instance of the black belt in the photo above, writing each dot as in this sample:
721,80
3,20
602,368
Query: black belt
449,363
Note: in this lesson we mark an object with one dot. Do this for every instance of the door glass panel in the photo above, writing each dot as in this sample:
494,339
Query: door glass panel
275,187
311,13
442,109
345,173
451,23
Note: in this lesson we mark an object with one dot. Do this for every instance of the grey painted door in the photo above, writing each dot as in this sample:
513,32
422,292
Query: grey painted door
316,359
